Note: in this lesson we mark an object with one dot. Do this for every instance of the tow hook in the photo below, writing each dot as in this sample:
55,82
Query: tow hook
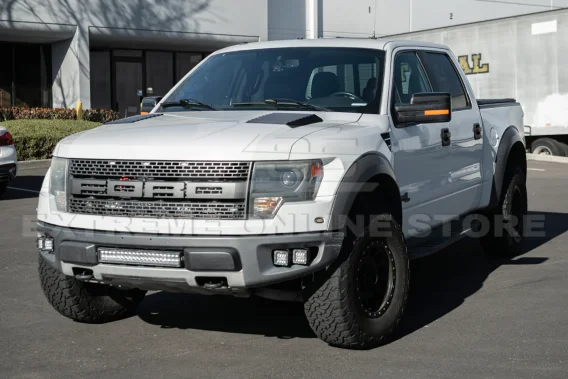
84,276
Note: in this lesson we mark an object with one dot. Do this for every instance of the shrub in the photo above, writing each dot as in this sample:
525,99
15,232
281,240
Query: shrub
95,115
100,115
36,139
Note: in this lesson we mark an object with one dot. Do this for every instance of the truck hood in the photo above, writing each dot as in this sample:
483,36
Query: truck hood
197,136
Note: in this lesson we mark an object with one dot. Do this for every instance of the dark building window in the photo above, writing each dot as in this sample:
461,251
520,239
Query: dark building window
25,75
118,76
100,80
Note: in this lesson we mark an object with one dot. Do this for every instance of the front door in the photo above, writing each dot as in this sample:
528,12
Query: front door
465,128
128,81
421,163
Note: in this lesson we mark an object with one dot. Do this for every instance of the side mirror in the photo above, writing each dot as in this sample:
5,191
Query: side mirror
425,108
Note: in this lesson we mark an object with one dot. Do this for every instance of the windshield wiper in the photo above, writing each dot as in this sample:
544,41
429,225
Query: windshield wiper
186,103
277,102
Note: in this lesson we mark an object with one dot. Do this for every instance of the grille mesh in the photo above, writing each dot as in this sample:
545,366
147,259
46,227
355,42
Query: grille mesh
159,209
159,169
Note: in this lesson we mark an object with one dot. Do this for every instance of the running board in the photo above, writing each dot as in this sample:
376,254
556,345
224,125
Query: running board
419,247
424,251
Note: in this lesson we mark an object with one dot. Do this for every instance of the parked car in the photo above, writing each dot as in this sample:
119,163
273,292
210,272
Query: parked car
8,159
312,170
148,103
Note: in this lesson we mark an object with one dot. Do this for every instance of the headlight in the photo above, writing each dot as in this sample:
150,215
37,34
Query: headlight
274,183
58,182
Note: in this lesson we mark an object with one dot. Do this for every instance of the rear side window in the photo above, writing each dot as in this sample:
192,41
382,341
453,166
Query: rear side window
444,78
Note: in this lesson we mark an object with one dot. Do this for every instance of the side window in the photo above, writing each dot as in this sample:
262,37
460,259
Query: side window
444,78
409,77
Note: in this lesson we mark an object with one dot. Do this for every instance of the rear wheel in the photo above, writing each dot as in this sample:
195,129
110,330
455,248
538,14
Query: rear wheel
507,221
358,303
547,146
86,302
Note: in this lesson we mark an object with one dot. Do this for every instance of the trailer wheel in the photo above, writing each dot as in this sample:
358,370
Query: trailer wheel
564,147
547,146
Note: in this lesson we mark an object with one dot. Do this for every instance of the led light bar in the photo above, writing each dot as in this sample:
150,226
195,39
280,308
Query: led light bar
154,258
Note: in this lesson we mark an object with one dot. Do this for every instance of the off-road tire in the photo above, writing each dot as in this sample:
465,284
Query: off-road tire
501,241
331,302
86,302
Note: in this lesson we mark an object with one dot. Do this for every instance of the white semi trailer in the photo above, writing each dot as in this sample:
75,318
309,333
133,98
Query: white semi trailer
525,57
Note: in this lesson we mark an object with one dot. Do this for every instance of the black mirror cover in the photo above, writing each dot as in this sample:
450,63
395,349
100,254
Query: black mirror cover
425,108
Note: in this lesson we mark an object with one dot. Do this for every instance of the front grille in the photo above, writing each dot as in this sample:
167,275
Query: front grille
159,209
159,169
159,189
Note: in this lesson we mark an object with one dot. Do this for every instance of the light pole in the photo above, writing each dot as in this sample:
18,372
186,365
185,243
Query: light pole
312,19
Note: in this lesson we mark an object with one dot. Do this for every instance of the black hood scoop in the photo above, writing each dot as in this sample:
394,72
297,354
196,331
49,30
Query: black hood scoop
293,120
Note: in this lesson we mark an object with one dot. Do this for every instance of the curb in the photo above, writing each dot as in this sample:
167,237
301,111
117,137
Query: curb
546,158
42,163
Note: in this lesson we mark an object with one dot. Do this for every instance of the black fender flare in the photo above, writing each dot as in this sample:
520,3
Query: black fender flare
510,137
354,182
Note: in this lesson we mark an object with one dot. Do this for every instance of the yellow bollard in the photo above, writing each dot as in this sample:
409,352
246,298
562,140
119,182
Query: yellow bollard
79,110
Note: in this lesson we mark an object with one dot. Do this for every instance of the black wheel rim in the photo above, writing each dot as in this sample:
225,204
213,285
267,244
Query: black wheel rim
375,278
517,212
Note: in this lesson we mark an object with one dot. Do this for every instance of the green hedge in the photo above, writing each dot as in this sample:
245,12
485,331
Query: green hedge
36,139
95,115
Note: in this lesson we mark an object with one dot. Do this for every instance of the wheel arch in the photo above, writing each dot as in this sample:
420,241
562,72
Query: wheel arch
370,177
511,153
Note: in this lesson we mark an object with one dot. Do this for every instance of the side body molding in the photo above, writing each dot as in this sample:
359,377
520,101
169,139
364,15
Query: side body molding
355,182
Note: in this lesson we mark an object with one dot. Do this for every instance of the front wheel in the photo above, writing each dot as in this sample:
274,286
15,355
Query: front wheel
358,303
86,302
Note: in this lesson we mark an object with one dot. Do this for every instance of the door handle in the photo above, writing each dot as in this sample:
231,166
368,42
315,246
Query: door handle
477,131
446,137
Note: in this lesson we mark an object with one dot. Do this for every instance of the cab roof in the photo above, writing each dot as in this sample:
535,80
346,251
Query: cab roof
364,43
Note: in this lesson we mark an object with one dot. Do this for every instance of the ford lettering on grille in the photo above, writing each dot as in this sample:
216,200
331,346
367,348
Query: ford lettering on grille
154,189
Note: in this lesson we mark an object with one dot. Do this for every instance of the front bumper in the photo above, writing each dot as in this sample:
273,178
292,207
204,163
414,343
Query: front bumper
251,264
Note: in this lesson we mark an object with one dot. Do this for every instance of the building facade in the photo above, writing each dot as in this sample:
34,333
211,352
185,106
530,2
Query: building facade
109,53
367,18
106,53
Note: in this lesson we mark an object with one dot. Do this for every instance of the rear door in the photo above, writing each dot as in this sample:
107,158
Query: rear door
422,165
465,179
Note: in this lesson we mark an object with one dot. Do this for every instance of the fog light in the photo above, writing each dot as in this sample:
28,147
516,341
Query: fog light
45,243
48,244
40,243
300,256
281,258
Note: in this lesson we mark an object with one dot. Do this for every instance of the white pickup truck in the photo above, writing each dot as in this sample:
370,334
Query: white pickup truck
308,170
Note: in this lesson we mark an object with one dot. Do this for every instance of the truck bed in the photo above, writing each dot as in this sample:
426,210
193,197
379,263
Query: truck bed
494,103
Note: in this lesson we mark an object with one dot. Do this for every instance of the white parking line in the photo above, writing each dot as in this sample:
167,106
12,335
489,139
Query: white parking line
536,169
23,189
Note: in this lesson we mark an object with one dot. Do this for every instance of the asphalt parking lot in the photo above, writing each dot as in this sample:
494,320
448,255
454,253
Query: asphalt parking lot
468,315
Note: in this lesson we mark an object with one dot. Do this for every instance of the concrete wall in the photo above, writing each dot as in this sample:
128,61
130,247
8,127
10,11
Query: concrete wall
75,25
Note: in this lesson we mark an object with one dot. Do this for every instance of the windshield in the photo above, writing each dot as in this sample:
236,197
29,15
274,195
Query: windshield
337,79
